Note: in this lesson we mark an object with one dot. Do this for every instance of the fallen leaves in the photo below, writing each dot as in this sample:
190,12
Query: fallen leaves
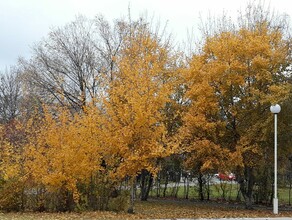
161,209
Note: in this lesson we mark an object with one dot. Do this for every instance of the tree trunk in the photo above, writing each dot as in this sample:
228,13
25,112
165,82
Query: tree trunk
186,187
201,184
175,189
208,189
158,187
165,185
290,187
246,187
132,197
91,194
146,183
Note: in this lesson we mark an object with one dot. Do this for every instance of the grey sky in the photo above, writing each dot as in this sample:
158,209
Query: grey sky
25,22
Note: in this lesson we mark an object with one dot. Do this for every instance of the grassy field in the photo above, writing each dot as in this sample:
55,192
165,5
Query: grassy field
216,192
160,209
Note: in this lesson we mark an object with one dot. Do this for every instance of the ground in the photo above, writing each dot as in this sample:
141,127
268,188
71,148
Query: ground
162,208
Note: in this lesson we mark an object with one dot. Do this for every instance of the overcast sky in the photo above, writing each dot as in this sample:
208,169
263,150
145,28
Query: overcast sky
25,22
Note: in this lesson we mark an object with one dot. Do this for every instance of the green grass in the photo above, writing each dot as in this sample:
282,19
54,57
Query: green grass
283,194
217,191
223,191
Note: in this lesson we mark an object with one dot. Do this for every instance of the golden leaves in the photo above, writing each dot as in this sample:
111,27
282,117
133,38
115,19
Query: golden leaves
137,97
223,90
231,82
66,151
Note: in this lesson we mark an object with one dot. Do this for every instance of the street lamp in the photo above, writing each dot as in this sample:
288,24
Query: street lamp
275,109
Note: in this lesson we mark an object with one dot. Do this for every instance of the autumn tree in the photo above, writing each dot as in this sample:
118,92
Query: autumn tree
200,132
103,104
242,71
13,138
11,190
63,156
136,99
72,155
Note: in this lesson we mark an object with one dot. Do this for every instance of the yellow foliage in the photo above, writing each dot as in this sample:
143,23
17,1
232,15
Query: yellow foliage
65,151
134,129
225,90
229,85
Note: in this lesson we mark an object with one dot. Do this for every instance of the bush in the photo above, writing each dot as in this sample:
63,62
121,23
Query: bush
11,195
120,203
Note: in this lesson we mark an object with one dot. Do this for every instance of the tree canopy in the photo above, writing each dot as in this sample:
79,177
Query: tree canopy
99,107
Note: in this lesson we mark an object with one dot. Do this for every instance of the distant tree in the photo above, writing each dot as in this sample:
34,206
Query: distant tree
10,96
73,65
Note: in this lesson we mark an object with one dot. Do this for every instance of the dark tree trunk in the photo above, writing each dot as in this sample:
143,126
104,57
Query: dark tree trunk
246,187
201,184
165,185
65,201
186,187
158,186
146,183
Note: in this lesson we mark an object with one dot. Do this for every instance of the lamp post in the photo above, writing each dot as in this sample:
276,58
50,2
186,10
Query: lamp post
275,109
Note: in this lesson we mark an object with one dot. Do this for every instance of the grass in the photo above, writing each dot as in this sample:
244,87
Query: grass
283,194
216,192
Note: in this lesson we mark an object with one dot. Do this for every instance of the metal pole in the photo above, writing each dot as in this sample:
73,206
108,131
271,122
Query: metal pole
275,210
